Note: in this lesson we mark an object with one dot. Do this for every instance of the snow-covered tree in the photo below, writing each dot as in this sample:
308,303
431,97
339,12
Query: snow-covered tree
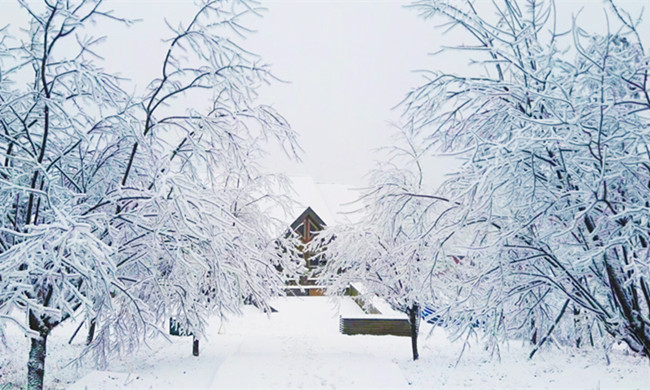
388,251
552,195
124,210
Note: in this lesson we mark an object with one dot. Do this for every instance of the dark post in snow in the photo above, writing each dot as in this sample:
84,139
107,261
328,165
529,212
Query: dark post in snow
195,346
414,321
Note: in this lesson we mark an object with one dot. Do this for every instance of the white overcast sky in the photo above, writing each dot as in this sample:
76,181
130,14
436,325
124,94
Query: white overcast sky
348,62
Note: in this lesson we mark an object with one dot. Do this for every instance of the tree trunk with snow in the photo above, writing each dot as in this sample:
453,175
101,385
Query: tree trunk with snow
414,321
37,352
195,346
91,332
36,362
638,336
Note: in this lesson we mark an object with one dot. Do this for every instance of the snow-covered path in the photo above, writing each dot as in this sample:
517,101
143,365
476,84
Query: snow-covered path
301,348
319,371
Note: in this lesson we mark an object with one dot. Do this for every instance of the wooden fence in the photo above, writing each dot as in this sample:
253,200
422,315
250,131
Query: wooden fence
375,326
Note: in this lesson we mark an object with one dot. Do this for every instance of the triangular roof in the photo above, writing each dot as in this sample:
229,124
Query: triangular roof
307,213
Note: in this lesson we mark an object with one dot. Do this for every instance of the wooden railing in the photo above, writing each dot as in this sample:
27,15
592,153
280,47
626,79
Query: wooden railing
375,326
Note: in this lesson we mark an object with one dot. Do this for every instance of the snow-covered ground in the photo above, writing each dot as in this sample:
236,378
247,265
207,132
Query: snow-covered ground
300,347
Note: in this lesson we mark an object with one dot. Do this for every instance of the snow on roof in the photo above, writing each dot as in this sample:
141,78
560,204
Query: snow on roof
307,194
332,202
343,200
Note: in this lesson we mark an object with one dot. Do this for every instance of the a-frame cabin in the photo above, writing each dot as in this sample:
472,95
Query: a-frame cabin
306,226
318,205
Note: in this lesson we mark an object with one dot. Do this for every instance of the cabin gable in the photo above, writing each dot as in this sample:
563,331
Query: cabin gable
307,225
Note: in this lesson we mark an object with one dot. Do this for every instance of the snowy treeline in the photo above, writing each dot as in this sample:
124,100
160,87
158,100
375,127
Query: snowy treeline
542,234
125,210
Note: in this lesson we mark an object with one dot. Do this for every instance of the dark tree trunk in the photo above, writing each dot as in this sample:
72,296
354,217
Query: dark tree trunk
414,321
577,324
91,332
636,327
75,332
36,362
195,346
550,331
533,338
